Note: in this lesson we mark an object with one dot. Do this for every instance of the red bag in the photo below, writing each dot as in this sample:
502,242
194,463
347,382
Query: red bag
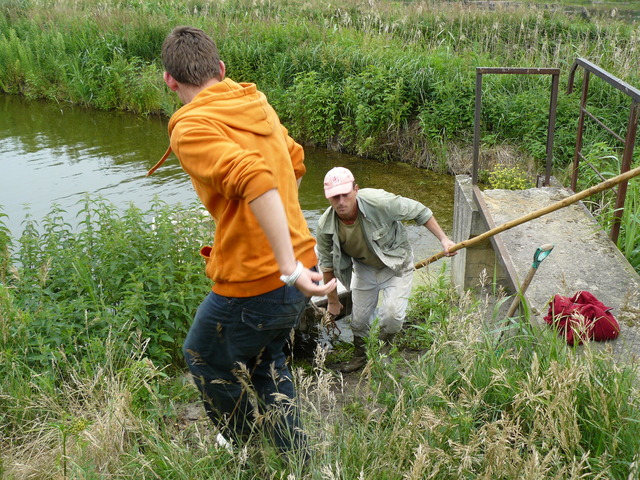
582,317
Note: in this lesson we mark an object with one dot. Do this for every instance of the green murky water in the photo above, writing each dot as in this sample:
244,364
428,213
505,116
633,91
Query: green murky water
53,153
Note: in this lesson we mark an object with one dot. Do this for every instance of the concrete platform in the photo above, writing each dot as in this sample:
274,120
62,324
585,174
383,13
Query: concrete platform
583,258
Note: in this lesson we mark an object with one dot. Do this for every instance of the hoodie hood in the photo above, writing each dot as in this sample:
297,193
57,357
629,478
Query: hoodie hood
238,105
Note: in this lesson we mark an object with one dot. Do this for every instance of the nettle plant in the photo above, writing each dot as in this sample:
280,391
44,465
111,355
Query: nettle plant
129,275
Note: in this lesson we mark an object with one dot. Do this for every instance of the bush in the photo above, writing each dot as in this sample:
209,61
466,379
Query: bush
311,110
508,178
373,101
135,276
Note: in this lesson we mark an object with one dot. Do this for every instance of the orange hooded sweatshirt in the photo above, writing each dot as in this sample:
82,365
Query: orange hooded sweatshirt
231,143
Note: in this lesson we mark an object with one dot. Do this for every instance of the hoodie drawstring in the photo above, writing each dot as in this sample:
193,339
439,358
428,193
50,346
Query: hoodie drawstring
162,160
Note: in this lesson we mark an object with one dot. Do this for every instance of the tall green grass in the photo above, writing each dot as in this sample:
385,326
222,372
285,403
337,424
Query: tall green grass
603,162
629,243
387,80
453,403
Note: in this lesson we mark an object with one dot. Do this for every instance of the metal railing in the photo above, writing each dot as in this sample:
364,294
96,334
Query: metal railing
553,102
628,141
496,240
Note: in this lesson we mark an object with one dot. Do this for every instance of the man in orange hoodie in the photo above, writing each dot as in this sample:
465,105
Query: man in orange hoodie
246,170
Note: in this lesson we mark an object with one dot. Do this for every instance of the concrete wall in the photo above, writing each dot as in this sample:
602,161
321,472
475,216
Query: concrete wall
475,264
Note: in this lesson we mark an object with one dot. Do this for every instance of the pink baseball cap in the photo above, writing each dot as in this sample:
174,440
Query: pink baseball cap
338,181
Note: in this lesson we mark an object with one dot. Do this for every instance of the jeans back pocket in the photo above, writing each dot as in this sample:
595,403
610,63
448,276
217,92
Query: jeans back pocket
268,316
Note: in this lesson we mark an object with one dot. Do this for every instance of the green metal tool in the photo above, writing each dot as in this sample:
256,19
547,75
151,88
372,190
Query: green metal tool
541,253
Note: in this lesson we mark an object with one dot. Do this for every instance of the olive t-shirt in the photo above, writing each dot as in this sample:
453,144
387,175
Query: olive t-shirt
355,245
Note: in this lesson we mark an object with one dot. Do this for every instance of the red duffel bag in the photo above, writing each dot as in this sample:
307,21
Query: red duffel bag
582,317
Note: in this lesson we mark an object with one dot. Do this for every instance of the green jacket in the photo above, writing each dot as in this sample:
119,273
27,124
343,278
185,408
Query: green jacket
382,214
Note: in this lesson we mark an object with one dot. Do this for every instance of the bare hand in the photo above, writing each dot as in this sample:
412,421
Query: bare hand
334,308
446,245
306,285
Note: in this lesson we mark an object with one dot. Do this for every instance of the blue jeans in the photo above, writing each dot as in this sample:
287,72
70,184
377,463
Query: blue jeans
234,351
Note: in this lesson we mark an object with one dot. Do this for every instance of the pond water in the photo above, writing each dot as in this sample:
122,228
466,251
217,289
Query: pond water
56,154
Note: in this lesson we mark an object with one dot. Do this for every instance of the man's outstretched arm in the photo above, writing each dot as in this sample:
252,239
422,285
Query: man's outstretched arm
271,216
433,226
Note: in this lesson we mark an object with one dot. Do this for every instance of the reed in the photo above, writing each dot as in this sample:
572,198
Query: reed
629,243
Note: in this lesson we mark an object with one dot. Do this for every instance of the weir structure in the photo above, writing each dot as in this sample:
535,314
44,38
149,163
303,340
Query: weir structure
585,257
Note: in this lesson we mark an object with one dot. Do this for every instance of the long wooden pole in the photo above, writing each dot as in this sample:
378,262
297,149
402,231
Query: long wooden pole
538,213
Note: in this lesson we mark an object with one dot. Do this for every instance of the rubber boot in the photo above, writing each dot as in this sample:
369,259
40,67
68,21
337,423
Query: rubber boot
387,342
359,358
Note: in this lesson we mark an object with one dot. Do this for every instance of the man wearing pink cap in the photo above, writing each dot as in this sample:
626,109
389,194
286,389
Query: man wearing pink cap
363,243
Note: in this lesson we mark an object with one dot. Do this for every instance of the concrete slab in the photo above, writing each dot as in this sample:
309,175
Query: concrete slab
583,258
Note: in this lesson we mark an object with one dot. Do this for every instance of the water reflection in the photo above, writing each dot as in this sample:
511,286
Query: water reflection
53,153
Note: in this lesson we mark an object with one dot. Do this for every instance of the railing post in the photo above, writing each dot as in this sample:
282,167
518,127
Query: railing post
629,140
476,129
553,103
627,156
578,152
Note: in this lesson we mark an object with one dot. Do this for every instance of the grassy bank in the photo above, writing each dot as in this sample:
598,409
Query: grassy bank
394,81
91,319
386,80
